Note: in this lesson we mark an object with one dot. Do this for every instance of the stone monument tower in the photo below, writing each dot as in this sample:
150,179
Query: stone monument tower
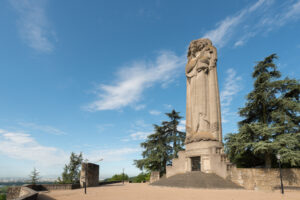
204,148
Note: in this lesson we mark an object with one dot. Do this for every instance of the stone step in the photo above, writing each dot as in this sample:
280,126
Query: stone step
197,180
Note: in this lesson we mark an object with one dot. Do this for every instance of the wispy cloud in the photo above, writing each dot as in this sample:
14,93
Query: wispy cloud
292,12
139,135
112,155
33,24
131,81
154,112
43,128
23,146
231,87
139,107
259,18
181,125
225,29
167,106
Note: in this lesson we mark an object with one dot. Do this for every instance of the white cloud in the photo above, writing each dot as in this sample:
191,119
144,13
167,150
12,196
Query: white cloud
33,24
139,107
181,125
23,146
231,87
259,18
167,106
154,112
226,28
131,81
43,128
112,155
292,12
140,135
222,33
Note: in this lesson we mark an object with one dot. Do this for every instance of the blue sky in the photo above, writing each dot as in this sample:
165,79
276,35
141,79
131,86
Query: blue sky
93,76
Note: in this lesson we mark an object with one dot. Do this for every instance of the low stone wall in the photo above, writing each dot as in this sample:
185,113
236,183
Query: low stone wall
21,193
49,187
13,192
264,179
30,192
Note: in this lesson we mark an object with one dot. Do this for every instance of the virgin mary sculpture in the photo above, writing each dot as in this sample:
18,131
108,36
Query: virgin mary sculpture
203,116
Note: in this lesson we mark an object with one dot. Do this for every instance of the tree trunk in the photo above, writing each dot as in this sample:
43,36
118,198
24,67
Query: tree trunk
268,160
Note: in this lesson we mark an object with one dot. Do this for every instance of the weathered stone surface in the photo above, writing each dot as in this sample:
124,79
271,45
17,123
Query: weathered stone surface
264,179
197,180
203,116
204,147
13,192
89,173
21,193
155,176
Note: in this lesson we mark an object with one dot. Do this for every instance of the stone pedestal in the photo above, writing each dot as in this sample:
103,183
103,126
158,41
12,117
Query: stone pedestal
155,176
89,173
209,153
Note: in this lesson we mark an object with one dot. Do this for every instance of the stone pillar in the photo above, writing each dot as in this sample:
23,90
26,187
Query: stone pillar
155,176
89,173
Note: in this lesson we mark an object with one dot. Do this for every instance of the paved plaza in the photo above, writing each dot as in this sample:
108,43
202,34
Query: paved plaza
143,191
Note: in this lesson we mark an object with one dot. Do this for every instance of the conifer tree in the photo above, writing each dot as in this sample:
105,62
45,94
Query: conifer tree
162,146
271,123
175,136
156,153
34,176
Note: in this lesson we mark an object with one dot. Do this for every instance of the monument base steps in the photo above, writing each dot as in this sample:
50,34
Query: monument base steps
197,179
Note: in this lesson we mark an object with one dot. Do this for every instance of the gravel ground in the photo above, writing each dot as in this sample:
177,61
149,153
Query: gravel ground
144,191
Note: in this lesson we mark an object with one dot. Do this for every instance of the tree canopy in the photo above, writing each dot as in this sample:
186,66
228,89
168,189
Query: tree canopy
271,121
163,145
71,170
34,176
119,177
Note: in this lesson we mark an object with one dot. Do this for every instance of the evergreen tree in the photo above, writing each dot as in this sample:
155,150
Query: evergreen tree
157,151
175,136
162,146
71,171
34,176
271,123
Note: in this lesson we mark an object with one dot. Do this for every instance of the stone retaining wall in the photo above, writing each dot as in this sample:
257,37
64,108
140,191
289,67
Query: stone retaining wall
13,192
29,192
21,193
264,179
44,187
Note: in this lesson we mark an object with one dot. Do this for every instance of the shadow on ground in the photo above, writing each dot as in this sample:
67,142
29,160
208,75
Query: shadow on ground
43,196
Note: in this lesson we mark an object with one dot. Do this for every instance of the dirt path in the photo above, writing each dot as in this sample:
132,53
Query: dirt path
143,191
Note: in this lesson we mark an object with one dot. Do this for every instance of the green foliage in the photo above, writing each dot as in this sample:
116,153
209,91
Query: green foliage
271,121
71,171
142,177
2,196
175,136
34,176
163,145
119,177
3,191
